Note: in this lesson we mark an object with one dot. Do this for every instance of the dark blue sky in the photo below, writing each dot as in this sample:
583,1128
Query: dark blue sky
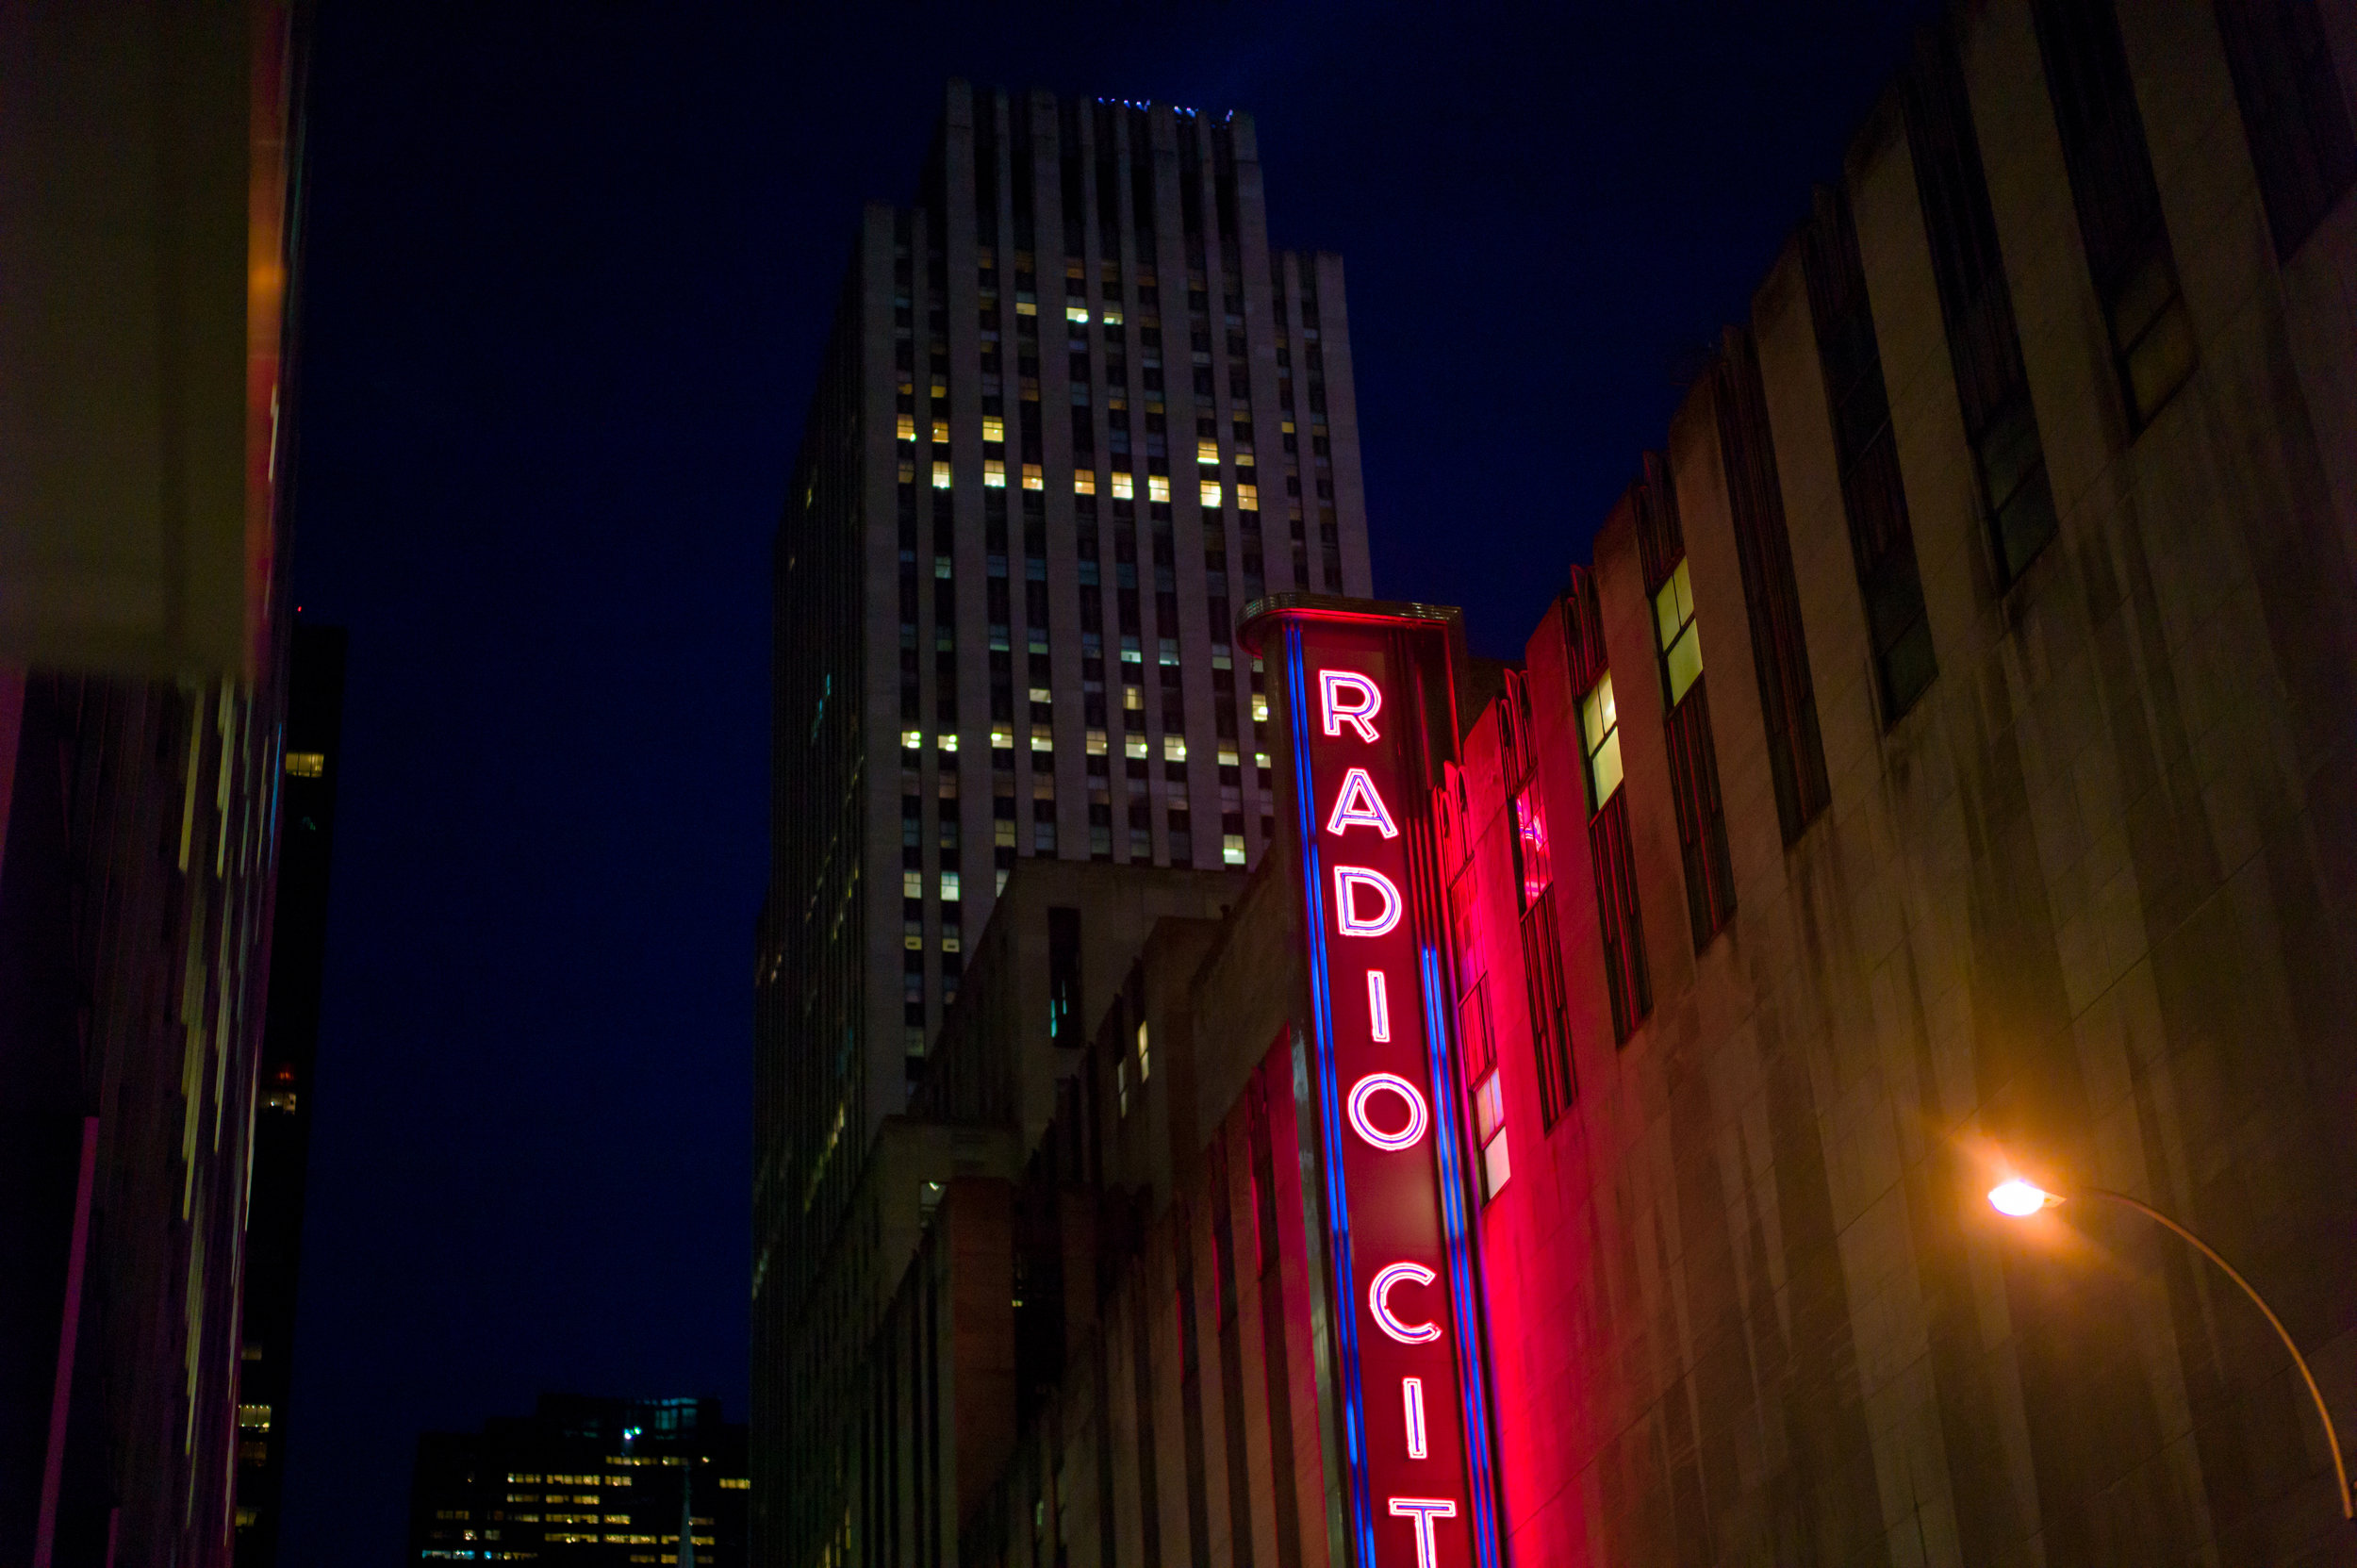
567,277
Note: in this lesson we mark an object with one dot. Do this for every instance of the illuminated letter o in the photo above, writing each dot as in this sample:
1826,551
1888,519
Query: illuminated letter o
1378,1292
1418,1117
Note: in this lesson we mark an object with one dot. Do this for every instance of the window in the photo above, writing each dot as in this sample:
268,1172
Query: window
2119,206
941,475
2293,114
1210,492
1686,696
1543,959
1626,981
1976,304
941,427
1207,453
1174,748
1032,478
995,473
1157,486
1882,539
1681,644
1490,1132
306,765
994,428
1600,727
1123,490
1763,547
1077,314
908,427
1083,482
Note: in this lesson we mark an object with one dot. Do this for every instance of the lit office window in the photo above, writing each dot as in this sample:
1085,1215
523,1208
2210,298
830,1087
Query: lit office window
941,476
1157,486
994,428
1681,643
1600,726
995,473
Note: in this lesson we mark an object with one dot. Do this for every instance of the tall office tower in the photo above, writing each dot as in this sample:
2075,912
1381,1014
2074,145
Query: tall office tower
1074,414
584,1483
282,1122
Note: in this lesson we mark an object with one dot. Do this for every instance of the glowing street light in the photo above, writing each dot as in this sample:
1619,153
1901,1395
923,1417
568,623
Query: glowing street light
2019,1199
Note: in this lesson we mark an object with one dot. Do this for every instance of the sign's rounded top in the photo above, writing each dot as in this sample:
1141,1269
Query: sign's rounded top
1330,606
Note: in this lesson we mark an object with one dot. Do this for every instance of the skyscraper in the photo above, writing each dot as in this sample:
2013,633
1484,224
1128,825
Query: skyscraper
1074,415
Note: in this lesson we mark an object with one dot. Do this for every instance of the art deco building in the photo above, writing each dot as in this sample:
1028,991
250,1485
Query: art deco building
585,1483
1074,412
1939,773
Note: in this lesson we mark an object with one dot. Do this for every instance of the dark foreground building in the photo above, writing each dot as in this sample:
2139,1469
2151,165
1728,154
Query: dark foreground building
1075,413
583,1482
310,769
150,179
1572,1144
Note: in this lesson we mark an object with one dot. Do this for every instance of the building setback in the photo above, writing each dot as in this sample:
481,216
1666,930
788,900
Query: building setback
1075,413
592,1483
1940,772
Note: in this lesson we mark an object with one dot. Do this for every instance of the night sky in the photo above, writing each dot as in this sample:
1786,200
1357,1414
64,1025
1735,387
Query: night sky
567,277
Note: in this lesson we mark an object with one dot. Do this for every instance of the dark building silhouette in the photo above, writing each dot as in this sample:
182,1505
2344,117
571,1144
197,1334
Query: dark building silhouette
587,1482
311,763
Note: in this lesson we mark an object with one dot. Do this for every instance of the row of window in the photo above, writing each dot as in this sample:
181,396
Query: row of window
2278,56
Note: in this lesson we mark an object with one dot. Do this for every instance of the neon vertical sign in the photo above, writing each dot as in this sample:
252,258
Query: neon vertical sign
1408,1379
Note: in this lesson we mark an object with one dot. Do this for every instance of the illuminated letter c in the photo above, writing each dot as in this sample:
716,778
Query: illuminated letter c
1378,1302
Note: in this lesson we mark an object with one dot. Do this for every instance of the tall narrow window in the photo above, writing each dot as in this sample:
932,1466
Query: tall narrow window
2293,112
1882,542
1534,885
2119,204
1625,979
1763,547
1693,755
1983,344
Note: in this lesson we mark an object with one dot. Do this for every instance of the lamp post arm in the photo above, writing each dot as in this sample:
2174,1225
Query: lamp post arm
2332,1438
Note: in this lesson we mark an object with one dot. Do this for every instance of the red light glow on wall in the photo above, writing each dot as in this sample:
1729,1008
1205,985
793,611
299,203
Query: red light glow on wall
1405,1314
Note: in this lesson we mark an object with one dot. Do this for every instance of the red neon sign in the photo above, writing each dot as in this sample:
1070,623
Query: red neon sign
1411,1419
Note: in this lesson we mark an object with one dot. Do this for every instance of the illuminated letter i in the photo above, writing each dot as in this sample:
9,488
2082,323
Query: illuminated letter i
1379,1006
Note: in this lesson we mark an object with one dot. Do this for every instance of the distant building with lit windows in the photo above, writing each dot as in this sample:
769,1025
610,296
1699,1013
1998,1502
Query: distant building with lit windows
1939,773
594,1483
1076,412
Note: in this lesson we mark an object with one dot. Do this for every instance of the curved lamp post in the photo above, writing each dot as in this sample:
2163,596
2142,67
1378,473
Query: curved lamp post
2019,1199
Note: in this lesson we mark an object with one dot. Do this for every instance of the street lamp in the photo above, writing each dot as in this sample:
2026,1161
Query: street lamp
2018,1200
